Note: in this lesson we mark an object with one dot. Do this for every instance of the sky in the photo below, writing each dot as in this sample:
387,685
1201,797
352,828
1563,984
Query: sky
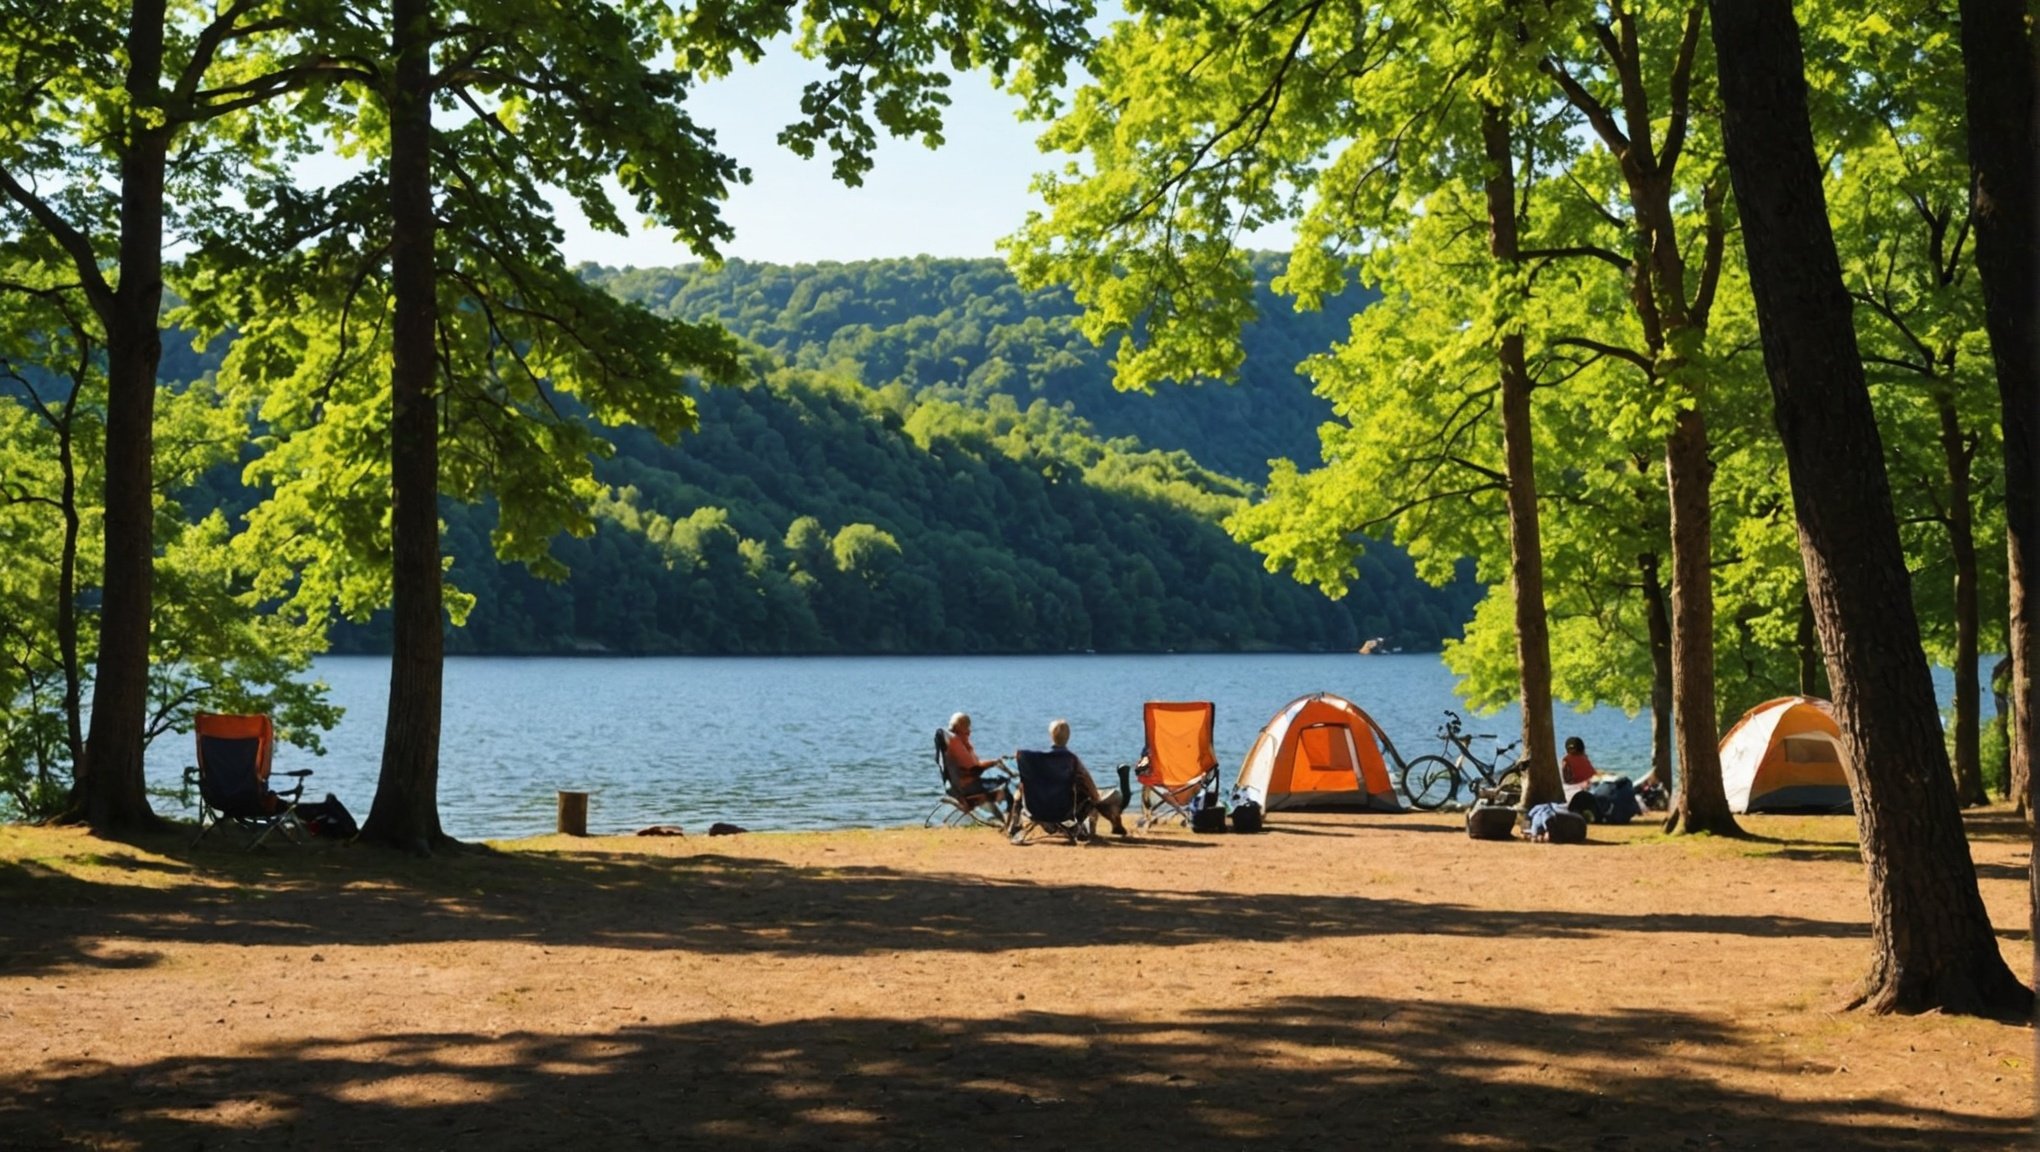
958,201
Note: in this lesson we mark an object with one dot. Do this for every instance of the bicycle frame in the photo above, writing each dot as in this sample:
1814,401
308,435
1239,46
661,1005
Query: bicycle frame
1490,772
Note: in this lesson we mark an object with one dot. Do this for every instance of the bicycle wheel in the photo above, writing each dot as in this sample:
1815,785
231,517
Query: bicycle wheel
1430,782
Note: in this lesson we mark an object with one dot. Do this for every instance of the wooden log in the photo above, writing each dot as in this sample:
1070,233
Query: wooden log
573,819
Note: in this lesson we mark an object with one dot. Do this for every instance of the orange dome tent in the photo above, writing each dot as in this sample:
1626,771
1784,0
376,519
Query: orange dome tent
1320,751
1786,755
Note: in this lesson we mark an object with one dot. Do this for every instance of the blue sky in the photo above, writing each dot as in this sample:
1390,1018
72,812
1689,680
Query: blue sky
957,201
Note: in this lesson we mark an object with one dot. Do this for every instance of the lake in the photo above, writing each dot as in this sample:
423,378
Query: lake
832,742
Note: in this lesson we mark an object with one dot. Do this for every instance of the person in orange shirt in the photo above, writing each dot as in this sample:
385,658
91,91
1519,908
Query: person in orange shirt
967,770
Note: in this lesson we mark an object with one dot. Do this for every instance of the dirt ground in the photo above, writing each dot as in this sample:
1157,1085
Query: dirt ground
1340,982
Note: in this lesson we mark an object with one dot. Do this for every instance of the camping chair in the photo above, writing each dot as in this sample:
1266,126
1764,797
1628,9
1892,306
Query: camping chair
983,804
1048,800
1178,762
232,775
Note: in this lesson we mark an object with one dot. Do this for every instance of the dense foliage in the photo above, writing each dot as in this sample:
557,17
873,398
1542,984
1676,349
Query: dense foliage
942,467
965,330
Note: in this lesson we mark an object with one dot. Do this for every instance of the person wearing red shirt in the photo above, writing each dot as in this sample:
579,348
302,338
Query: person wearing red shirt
1576,771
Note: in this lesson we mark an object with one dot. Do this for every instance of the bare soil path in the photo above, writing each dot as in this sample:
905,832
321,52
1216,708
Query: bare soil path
1339,982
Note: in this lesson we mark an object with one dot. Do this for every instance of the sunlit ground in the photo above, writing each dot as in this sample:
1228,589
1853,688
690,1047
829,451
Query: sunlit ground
1342,981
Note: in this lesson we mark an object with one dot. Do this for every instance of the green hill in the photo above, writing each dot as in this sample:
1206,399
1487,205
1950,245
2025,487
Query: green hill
942,466
963,330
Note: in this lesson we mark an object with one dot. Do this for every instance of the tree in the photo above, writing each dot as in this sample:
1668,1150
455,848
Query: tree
1207,122
485,322
100,96
210,646
1904,225
2001,81
1646,65
1934,947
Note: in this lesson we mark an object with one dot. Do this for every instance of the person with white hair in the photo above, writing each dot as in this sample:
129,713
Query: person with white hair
1109,803
967,770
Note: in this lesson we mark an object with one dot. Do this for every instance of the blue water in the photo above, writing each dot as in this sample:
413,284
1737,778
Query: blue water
830,742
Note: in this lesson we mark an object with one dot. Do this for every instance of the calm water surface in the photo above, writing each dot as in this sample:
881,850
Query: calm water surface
829,742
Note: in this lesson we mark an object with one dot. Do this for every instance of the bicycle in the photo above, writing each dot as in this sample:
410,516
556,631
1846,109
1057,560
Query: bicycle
1431,782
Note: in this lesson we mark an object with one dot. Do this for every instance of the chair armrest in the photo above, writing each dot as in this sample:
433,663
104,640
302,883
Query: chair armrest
300,773
191,773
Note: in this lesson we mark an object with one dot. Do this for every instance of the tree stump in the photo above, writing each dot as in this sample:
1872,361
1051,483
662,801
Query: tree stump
573,819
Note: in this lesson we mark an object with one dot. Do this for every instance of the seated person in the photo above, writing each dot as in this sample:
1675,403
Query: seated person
966,771
1108,804
1652,795
1576,772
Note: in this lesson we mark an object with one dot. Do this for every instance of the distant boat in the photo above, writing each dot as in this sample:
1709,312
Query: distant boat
1375,647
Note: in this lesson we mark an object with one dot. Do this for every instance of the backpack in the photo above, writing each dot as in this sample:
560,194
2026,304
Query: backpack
328,819
1614,801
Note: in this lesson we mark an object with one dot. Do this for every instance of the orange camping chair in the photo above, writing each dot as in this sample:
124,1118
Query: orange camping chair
1178,762
232,775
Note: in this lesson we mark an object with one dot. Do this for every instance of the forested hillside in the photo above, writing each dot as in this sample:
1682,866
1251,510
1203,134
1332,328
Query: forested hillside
941,465
963,330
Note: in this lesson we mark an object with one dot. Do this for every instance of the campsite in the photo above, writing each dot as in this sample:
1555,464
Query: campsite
1180,574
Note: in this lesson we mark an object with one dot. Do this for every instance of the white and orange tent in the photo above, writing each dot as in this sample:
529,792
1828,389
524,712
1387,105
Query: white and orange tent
1786,755
1320,751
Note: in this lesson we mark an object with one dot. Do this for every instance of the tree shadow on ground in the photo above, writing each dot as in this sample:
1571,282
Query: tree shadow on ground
1997,824
732,905
1990,870
1782,848
1323,1072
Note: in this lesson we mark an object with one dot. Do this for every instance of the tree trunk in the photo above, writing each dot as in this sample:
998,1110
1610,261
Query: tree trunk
1962,550
405,813
1526,548
1660,670
2020,732
1808,646
67,586
2002,105
1701,804
2001,98
109,781
1932,938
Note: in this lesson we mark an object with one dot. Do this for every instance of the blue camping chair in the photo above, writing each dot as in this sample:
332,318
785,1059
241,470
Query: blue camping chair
233,778
1048,800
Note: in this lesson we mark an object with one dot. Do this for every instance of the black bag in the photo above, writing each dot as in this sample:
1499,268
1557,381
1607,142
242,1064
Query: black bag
1246,816
328,818
1206,813
1491,822
1564,827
